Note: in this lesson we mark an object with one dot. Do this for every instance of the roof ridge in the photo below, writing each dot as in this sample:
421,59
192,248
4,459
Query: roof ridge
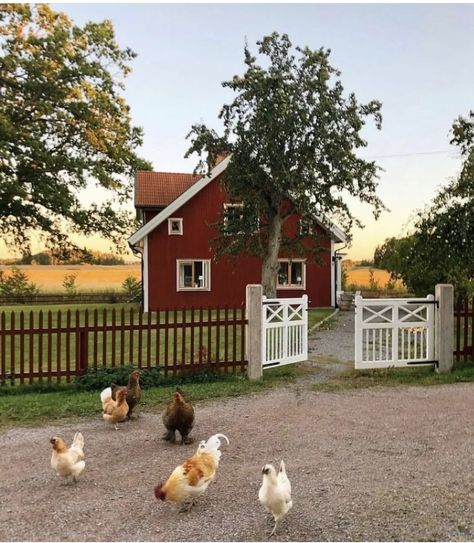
168,173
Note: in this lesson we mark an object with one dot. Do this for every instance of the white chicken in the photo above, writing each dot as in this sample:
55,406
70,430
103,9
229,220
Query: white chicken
275,492
68,462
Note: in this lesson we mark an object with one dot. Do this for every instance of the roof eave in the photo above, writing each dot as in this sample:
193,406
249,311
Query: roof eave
180,201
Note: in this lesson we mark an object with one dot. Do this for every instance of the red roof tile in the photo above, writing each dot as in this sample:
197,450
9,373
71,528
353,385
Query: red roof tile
161,188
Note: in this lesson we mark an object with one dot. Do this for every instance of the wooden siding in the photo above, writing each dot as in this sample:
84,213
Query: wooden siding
228,282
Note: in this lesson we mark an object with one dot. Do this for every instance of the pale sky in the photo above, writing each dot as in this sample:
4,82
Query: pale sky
416,59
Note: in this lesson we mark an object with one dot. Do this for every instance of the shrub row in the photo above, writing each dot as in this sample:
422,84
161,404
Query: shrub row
98,379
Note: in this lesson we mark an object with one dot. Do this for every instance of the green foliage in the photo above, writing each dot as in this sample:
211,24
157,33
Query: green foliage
294,136
344,277
133,288
69,283
439,250
98,379
64,125
17,283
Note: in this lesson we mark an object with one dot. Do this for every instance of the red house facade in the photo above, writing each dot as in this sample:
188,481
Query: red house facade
178,266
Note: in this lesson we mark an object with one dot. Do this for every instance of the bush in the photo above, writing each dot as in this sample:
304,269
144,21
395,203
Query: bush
149,378
17,283
69,283
133,288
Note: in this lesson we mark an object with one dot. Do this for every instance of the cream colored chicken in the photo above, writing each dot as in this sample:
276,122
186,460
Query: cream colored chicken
68,462
275,492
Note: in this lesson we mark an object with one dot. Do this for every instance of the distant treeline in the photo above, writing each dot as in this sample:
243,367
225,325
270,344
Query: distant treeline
85,257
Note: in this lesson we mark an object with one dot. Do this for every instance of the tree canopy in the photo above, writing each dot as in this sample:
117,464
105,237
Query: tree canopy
64,126
439,250
293,135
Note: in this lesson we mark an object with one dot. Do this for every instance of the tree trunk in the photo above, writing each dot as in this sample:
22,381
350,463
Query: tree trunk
270,260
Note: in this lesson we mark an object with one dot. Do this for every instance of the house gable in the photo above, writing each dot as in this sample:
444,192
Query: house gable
335,233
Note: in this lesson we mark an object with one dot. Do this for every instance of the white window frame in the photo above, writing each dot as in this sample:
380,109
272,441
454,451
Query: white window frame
303,271
170,229
227,205
206,265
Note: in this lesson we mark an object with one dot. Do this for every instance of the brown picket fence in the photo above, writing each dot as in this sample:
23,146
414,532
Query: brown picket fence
60,345
464,329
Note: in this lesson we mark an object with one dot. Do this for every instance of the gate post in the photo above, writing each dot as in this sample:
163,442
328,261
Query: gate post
444,327
253,308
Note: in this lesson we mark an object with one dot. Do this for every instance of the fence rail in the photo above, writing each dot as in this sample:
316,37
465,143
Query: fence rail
65,344
464,329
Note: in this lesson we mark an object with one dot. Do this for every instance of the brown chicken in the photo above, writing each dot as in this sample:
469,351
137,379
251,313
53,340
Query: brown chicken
179,415
114,411
134,392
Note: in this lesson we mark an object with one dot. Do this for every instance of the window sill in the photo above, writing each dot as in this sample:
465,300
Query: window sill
193,289
291,287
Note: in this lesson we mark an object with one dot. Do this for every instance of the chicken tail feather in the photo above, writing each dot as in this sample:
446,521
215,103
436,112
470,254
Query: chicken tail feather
78,441
105,394
213,443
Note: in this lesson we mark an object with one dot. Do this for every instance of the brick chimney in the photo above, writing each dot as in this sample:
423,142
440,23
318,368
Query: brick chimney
219,157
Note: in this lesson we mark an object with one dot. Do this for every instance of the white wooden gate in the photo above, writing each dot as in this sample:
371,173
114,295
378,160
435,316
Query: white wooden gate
285,331
394,332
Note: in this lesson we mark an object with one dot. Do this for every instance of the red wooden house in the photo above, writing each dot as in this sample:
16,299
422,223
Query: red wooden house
178,269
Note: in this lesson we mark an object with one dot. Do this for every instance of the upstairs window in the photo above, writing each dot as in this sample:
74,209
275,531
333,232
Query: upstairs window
175,227
305,227
233,214
194,275
292,274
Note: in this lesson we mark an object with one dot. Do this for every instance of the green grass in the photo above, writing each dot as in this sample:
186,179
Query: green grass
316,315
37,408
463,372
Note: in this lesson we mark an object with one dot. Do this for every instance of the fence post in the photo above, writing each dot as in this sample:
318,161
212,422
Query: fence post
253,308
444,327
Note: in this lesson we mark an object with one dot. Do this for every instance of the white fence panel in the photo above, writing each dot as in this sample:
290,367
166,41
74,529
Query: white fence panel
394,332
285,331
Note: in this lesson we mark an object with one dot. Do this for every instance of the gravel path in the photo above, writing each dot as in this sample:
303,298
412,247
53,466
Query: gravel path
385,464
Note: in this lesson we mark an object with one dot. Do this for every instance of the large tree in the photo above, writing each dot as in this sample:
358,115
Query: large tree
439,249
293,135
64,127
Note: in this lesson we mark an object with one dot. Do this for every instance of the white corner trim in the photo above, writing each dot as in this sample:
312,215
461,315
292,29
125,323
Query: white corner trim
332,267
176,204
145,275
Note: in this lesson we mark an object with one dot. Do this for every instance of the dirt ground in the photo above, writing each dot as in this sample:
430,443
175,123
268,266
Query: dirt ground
375,464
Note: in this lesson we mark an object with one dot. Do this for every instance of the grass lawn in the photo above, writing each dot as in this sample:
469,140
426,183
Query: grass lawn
32,409
463,372
317,314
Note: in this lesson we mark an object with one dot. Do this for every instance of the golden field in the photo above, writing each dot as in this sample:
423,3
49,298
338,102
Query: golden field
89,278
100,278
361,276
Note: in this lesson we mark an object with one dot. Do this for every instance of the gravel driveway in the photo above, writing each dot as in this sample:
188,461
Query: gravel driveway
385,464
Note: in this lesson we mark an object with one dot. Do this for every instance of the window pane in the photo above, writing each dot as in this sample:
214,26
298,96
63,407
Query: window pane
198,274
283,273
297,273
186,275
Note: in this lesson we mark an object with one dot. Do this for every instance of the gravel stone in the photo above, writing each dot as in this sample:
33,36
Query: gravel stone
389,464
